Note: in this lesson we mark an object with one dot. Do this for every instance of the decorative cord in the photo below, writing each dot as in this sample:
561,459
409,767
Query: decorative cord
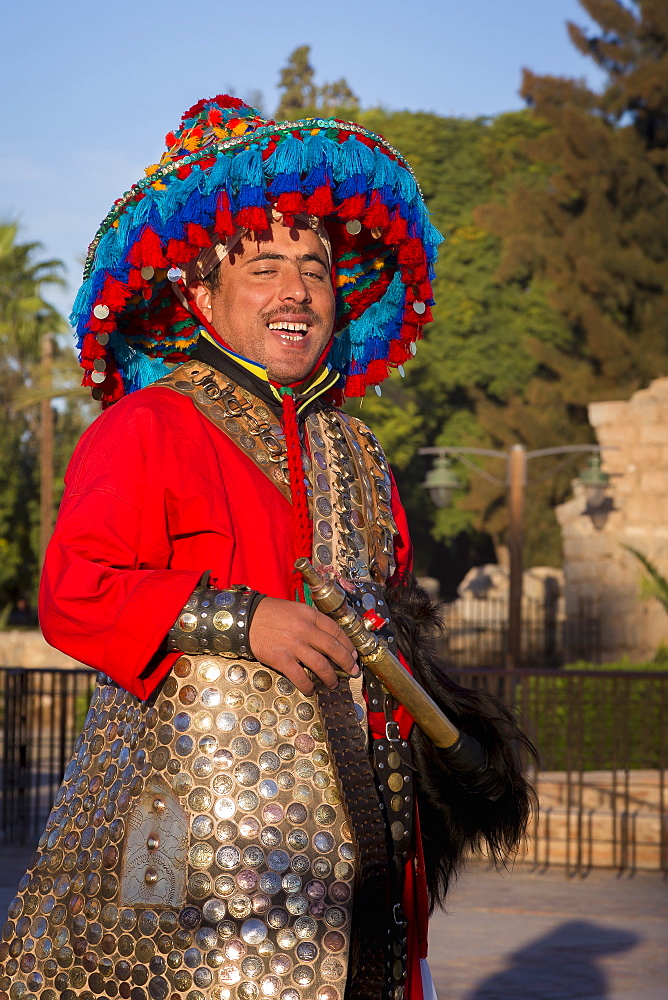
302,529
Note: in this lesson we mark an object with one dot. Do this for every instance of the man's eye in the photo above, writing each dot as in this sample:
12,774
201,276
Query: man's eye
313,274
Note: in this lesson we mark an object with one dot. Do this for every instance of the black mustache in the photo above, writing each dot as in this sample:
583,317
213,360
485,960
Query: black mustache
290,315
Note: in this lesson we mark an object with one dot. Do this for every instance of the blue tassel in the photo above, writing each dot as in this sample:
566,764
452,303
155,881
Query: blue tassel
82,305
285,184
109,250
247,170
137,369
218,175
320,151
177,194
404,186
317,177
143,371
354,158
251,197
384,170
289,157
351,186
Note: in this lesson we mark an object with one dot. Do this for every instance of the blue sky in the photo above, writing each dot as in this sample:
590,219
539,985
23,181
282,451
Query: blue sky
90,89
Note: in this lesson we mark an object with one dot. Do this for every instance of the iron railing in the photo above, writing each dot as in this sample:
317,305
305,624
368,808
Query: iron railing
476,634
602,779
41,714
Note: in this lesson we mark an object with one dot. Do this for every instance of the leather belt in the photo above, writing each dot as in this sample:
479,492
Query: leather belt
367,973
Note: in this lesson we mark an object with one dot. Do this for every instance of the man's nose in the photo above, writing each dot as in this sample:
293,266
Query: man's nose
294,288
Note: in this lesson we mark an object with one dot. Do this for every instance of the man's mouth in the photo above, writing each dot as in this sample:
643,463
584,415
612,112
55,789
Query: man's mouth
289,331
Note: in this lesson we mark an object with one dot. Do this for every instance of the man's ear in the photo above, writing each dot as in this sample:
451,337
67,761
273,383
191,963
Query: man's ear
202,297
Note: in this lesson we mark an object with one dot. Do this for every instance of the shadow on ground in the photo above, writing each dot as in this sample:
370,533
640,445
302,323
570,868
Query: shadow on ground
563,963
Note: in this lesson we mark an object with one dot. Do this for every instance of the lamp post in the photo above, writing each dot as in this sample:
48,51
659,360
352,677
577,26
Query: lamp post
442,481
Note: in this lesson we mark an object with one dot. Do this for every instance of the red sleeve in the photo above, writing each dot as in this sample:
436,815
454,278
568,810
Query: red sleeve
107,596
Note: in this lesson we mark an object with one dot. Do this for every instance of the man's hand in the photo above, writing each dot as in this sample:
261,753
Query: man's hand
288,637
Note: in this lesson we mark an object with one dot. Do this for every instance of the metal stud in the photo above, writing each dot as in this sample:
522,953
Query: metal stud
101,311
354,226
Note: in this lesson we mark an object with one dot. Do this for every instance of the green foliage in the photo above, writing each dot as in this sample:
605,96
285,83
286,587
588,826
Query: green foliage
302,98
468,383
25,319
593,718
654,583
593,232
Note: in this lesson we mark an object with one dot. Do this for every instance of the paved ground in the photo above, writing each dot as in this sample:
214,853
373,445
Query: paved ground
525,936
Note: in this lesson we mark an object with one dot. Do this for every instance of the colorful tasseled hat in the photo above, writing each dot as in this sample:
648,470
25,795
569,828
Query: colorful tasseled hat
223,169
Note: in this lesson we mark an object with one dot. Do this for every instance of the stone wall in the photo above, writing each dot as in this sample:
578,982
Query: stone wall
29,648
598,571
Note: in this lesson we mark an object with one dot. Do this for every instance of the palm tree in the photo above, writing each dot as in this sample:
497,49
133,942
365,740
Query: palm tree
654,584
28,324
25,316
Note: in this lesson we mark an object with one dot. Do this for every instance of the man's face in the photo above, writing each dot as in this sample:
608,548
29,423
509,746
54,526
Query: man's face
274,301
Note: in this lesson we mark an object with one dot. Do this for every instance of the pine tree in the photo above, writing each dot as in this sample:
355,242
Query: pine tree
594,233
302,98
296,82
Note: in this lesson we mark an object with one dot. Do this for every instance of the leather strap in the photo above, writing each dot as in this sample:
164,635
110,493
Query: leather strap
367,973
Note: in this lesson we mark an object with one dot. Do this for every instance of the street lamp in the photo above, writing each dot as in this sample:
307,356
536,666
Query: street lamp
441,481
596,482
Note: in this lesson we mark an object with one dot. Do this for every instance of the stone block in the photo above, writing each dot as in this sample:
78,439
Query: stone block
614,412
29,648
644,410
653,433
654,481
648,455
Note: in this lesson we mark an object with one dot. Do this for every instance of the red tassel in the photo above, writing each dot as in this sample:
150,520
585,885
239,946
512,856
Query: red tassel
320,202
252,218
180,252
352,208
147,250
398,230
223,224
376,214
290,202
198,235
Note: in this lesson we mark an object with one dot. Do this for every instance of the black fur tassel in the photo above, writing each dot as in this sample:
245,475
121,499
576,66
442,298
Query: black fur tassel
455,822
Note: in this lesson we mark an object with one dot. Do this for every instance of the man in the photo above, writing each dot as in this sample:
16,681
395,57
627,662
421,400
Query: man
239,818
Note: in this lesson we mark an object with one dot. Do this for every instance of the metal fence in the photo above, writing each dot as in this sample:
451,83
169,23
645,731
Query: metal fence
602,778
41,715
602,782
476,634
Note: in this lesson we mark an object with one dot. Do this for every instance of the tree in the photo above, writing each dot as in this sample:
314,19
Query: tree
301,97
594,233
26,320
296,82
467,386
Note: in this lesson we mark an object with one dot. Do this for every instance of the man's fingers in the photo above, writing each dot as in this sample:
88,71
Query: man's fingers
306,656
334,650
326,624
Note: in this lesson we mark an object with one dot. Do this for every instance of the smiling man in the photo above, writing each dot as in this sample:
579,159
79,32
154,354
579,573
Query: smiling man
239,821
